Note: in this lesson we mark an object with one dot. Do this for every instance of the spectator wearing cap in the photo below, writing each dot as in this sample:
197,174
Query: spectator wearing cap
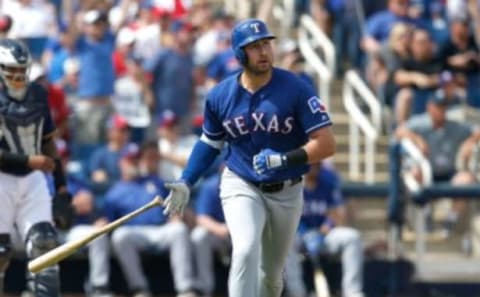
449,90
5,25
86,219
441,140
150,28
103,164
125,43
149,231
174,147
172,74
56,100
94,45
134,98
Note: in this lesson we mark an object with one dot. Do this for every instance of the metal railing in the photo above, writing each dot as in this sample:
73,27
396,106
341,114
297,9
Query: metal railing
359,121
310,39
411,151
284,12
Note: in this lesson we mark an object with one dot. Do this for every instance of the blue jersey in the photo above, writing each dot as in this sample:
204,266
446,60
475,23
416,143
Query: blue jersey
24,123
279,116
125,197
208,200
317,201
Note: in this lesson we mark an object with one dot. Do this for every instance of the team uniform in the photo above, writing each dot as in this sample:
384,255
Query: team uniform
25,125
261,195
148,231
324,196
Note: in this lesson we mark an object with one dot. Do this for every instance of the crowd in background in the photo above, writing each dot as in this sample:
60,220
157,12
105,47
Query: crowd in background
126,80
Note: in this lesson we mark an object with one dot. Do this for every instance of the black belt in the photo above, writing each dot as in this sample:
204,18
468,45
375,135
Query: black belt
277,186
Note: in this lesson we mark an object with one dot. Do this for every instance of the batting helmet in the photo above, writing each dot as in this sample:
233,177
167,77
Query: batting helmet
246,32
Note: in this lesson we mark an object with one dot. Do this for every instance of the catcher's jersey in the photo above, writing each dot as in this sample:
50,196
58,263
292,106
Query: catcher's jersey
24,123
279,116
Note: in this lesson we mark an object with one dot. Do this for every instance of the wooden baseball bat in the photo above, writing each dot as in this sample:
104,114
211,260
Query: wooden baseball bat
61,252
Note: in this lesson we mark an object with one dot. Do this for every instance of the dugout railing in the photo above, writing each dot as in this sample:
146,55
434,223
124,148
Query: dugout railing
404,188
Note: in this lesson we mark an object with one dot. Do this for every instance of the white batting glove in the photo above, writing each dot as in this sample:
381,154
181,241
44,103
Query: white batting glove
177,199
267,160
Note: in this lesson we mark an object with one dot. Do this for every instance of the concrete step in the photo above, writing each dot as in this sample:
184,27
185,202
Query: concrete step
378,177
447,267
343,157
379,168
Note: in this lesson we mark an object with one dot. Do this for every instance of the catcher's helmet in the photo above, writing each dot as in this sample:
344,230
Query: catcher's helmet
246,32
15,62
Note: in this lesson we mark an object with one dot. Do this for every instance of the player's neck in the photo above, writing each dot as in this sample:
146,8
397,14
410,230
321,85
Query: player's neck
254,81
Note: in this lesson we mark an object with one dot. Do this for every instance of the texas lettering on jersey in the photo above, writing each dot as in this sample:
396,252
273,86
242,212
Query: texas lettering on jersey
238,126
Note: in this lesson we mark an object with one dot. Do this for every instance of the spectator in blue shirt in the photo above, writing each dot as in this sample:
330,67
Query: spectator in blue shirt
322,231
94,47
103,164
223,63
85,220
172,74
211,233
150,231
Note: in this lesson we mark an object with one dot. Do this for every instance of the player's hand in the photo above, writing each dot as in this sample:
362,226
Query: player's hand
62,210
177,199
267,160
41,162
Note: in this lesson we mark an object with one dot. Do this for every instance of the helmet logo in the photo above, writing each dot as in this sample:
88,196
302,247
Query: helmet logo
255,26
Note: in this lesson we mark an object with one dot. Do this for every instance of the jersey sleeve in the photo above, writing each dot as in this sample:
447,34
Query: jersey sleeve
212,126
311,111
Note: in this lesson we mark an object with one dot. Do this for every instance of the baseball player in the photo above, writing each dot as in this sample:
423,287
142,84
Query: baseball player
150,230
27,147
321,232
275,126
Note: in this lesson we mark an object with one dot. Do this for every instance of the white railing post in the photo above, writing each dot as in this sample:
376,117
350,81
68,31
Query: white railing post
354,149
311,37
368,124
413,185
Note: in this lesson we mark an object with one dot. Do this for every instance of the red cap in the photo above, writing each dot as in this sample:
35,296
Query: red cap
117,122
5,23
130,152
168,119
197,121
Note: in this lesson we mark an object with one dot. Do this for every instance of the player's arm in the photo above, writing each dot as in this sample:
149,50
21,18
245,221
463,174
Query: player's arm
321,145
203,154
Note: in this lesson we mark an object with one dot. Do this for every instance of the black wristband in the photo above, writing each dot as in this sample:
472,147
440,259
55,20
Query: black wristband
296,157
59,175
10,160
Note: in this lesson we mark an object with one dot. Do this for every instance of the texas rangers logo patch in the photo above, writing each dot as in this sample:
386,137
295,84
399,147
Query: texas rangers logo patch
316,105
